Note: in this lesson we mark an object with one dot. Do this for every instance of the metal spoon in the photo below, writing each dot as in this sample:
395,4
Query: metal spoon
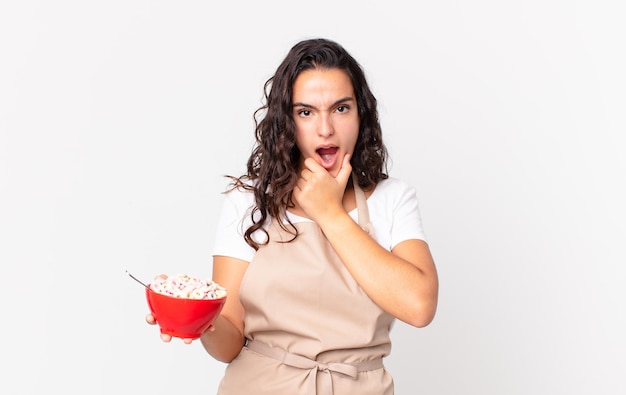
136,279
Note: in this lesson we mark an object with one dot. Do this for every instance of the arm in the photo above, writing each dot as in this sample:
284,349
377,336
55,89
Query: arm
403,281
225,339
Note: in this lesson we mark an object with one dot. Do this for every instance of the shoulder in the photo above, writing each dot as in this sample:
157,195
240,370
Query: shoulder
394,184
394,196
393,189
237,203
239,195
394,211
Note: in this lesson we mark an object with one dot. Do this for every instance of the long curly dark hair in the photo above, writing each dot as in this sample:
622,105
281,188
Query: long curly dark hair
273,164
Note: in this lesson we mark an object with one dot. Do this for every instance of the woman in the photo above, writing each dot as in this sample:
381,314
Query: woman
313,285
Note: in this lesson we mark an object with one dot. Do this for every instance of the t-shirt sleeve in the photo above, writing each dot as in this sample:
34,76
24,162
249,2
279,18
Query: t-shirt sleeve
234,219
407,220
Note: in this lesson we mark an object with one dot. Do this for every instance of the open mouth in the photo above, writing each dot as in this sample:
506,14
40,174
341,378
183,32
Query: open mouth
328,156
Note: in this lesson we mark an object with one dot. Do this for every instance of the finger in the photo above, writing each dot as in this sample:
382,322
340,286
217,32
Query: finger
300,184
166,338
150,319
345,171
312,165
305,174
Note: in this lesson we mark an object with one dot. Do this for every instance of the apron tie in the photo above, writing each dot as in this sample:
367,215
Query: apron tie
326,369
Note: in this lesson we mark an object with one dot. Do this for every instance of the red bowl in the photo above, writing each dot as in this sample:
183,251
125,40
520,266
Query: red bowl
183,318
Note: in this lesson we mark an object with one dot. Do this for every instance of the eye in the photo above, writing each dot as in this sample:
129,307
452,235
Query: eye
343,108
304,113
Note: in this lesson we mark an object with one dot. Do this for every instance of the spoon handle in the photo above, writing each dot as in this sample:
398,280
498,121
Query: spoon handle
136,279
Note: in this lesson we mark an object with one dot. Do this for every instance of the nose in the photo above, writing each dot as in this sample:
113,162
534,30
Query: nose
325,127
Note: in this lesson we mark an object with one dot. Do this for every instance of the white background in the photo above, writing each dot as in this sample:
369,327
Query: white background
119,118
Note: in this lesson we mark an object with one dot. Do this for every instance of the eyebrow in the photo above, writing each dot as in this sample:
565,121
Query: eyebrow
336,103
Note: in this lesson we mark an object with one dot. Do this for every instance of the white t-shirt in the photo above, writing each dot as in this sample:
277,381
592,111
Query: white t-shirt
393,208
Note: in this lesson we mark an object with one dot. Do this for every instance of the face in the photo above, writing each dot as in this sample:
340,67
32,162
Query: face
326,117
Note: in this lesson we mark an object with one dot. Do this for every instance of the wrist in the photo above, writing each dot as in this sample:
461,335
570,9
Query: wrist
336,222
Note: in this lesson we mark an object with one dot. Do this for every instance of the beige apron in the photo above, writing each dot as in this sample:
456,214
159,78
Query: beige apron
311,329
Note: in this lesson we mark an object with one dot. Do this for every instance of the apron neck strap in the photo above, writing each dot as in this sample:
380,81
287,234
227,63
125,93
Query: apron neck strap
361,207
